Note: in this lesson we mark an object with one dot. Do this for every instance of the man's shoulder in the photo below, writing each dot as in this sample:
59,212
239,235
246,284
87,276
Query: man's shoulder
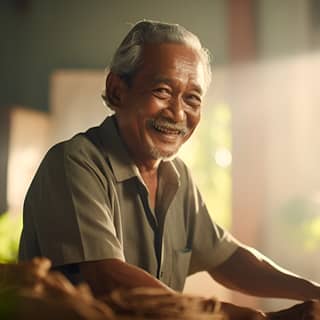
79,146
80,143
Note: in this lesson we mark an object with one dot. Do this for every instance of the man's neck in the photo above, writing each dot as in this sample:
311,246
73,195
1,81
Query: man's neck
150,178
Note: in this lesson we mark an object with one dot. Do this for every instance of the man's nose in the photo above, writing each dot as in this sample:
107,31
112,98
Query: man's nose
177,111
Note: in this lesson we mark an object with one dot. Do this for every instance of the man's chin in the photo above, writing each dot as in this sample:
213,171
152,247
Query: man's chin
163,155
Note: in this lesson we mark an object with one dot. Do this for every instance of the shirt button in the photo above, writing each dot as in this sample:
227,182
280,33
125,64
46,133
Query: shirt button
161,274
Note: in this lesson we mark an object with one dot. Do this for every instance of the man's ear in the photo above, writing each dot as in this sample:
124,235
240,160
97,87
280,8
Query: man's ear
115,89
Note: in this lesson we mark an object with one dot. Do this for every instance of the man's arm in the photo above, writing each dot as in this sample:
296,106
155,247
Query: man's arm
105,275
251,273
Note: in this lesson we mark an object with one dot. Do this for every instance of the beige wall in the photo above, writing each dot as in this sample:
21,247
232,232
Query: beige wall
28,142
275,107
75,102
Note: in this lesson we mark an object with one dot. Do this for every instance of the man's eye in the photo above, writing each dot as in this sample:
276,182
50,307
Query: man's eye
193,100
162,92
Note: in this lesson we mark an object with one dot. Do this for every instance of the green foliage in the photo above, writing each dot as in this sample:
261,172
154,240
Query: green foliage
300,223
10,230
213,179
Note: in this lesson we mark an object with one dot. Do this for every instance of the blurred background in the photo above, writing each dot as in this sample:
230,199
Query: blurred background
255,155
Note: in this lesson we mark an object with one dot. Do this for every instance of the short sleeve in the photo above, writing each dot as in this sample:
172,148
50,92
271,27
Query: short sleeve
69,202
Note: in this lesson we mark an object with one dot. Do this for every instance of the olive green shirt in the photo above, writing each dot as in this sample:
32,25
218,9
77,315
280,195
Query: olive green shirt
88,202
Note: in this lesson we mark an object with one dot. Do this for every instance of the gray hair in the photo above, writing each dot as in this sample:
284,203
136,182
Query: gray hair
127,58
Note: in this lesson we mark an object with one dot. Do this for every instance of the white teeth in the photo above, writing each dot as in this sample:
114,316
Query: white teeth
166,129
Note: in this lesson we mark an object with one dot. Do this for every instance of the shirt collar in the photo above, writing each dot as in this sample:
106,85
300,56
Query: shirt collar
120,160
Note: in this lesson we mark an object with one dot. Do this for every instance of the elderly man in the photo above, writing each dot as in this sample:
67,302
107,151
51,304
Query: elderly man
115,208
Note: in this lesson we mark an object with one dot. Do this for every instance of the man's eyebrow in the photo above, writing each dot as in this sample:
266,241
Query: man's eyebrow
169,81
162,80
197,88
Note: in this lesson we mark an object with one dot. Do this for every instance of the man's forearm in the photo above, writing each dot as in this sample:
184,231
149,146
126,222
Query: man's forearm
106,275
251,273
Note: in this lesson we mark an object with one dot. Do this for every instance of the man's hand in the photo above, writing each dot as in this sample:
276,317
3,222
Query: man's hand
24,274
234,312
308,310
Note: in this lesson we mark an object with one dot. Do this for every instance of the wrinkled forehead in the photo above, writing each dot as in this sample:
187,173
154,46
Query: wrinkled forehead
175,59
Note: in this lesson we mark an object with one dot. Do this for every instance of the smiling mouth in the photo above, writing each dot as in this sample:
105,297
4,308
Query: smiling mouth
168,128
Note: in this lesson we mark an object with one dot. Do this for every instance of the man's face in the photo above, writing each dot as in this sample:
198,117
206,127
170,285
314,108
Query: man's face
161,108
